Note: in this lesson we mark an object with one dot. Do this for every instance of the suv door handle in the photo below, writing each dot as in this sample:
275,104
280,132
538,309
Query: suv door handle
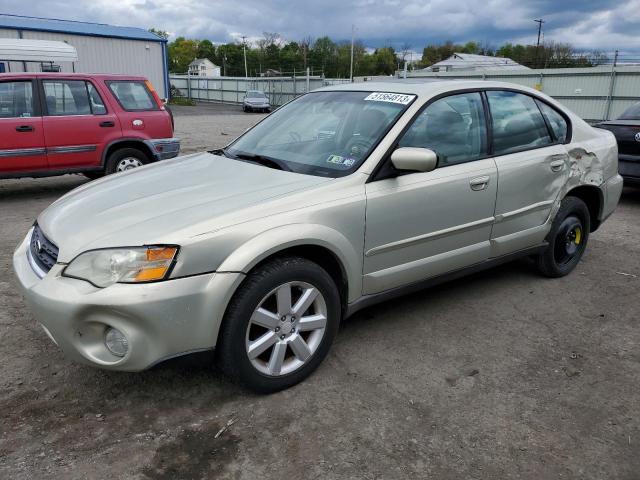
108,123
479,183
24,128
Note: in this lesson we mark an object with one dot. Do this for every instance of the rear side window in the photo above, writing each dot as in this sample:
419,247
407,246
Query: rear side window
556,121
453,127
133,95
16,99
72,97
517,123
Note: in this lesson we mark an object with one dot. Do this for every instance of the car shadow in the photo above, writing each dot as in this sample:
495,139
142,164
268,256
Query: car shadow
54,187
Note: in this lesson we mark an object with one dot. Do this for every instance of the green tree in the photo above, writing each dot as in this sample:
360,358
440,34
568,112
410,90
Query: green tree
206,49
161,33
181,53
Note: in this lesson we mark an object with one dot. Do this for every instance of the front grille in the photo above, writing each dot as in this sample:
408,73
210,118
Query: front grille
43,251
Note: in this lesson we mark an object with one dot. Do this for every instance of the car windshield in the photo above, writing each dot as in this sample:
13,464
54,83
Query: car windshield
323,133
631,113
255,95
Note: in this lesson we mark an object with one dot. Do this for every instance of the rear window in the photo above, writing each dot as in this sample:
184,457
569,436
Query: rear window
133,95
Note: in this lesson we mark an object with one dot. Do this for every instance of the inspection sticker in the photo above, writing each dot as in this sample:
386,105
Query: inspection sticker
390,97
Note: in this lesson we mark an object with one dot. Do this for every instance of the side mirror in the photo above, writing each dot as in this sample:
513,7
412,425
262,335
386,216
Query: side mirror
414,159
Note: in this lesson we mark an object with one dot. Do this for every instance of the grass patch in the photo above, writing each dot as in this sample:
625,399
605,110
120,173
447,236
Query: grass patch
182,101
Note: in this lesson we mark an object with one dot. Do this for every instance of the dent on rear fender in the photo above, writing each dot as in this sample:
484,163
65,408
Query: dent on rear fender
585,167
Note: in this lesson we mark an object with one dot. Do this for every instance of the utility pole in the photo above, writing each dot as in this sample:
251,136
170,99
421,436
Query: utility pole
539,21
351,67
244,50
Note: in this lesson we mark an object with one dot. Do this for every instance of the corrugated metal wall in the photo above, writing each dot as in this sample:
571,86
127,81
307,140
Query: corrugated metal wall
595,94
103,55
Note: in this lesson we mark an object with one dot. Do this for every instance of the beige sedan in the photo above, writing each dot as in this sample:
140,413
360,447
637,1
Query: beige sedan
345,197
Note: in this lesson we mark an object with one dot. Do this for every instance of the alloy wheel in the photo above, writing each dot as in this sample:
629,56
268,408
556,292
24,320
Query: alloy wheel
286,328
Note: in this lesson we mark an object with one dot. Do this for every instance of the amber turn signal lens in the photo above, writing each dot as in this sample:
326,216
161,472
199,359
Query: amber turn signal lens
161,253
158,263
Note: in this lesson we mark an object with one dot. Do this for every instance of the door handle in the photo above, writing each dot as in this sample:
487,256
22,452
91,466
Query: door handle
108,123
479,183
24,128
557,165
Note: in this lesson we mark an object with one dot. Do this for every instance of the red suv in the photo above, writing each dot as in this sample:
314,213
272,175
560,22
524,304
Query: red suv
55,123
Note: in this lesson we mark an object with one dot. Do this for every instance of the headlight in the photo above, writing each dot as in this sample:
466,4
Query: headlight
122,265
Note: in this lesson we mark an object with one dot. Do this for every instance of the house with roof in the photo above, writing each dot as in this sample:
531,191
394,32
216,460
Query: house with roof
204,67
470,62
101,48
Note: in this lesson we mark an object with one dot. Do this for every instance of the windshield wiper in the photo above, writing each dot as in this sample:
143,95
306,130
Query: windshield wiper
262,160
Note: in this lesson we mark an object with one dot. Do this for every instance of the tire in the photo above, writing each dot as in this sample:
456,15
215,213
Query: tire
268,371
567,239
116,160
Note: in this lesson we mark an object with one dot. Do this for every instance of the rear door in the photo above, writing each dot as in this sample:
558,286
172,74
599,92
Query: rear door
533,166
22,147
78,124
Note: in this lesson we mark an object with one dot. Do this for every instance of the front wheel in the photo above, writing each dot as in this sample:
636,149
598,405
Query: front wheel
567,239
279,325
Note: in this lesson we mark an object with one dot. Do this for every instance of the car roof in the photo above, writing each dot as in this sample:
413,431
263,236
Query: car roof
102,76
426,87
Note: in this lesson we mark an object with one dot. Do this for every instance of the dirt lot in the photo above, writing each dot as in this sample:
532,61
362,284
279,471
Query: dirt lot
500,375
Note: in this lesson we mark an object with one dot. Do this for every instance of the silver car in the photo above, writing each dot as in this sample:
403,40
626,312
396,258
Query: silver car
256,101
345,197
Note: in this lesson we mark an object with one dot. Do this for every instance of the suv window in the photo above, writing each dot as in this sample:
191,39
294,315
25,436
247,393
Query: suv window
16,99
453,127
517,122
97,104
72,97
556,121
133,95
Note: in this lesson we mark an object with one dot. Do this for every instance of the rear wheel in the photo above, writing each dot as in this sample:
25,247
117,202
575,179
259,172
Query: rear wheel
125,159
567,239
279,325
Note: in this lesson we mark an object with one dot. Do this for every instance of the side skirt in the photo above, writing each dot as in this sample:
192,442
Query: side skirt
369,300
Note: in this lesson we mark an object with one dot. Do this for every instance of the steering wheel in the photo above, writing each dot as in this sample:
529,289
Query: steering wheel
358,146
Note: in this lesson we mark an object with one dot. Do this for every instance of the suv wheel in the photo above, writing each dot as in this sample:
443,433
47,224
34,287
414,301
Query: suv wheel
279,325
125,159
567,239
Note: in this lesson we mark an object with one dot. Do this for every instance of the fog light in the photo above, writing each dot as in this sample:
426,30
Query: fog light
116,342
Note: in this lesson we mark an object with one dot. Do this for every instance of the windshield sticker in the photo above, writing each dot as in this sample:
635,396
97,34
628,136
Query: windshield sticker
346,162
337,159
390,98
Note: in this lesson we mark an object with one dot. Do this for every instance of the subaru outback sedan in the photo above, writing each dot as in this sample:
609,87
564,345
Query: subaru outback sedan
344,197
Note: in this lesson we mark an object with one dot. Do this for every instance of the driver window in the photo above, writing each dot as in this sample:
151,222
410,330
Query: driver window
453,127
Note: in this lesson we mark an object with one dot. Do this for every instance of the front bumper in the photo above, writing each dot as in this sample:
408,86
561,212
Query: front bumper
160,320
164,148
257,106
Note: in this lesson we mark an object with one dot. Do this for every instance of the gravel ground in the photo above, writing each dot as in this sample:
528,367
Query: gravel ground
503,374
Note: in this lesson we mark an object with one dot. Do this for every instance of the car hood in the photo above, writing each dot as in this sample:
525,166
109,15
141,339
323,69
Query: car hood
164,202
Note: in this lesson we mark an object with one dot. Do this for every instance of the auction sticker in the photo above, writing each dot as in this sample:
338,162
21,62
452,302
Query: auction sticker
400,98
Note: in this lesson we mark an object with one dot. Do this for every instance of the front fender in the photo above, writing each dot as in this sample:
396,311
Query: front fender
275,240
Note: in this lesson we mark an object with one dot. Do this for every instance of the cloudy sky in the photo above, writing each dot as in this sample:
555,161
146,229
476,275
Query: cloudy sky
587,24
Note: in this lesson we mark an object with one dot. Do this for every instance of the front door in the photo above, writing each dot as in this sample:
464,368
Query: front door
420,225
533,166
22,147
77,123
